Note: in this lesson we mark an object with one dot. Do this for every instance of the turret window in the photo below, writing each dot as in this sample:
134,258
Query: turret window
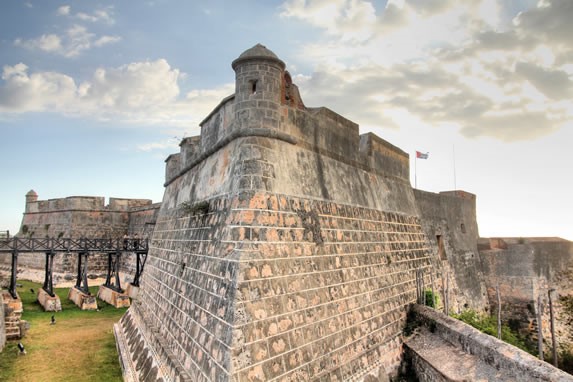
253,86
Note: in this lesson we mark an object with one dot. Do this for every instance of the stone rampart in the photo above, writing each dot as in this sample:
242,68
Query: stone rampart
525,268
446,349
449,221
282,252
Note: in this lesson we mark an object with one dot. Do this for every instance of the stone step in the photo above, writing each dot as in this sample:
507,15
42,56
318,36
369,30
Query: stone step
13,334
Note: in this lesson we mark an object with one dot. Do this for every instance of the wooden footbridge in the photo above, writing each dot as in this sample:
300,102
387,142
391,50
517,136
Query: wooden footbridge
83,247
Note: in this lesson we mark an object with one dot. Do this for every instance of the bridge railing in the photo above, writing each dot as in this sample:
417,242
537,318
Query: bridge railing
48,244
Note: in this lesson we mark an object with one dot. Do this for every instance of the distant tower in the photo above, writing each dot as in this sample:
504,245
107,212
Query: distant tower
258,80
31,197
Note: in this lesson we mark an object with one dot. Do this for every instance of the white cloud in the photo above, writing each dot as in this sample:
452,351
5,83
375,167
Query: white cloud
48,43
348,19
99,15
444,62
171,144
36,92
104,40
64,10
71,44
141,93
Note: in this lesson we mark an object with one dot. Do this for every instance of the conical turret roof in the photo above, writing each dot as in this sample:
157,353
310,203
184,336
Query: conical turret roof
257,52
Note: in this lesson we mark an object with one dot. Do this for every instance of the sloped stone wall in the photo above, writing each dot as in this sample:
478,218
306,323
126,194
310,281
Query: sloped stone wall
303,264
269,285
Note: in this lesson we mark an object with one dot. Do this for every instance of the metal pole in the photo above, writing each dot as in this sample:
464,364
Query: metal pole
498,312
137,262
416,171
447,295
116,270
552,318
539,329
79,275
12,288
454,155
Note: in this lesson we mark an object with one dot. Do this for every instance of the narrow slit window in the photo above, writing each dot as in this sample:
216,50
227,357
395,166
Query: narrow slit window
254,87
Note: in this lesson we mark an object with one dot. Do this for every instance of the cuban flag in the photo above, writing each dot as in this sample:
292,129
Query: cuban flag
420,155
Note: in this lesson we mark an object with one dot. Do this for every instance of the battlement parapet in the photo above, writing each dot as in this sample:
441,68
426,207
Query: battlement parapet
459,194
84,203
267,104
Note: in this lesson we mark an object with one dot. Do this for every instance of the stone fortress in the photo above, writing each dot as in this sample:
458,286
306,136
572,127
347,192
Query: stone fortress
289,247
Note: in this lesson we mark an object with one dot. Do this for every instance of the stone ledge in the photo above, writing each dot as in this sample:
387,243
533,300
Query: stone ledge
457,339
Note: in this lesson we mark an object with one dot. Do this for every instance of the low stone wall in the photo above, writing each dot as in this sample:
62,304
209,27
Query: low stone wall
471,353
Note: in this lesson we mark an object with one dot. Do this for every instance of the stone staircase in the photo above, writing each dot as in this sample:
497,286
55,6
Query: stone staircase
13,319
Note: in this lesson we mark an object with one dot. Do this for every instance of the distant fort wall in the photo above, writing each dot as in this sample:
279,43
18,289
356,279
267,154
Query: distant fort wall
82,216
523,269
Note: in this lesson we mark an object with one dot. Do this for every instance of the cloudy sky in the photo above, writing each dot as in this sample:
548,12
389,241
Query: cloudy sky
95,95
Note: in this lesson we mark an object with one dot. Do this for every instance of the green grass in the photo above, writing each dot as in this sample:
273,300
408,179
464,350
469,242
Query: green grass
488,324
79,347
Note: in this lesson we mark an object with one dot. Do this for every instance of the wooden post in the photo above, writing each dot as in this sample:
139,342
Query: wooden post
434,305
552,318
539,329
422,288
498,312
419,287
447,295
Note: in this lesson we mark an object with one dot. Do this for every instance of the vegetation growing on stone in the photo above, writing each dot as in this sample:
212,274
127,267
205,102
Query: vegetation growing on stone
432,299
193,209
488,325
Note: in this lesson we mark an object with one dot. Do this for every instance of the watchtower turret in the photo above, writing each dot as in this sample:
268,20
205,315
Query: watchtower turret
258,80
31,197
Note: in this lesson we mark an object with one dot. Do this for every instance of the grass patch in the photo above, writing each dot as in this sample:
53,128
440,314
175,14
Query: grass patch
488,325
79,347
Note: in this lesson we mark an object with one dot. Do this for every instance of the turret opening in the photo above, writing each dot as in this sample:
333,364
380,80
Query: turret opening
253,86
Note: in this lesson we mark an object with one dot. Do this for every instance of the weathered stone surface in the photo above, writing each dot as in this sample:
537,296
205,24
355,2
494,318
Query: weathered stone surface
445,349
12,316
449,221
49,303
305,260
525,268
112,297
82,300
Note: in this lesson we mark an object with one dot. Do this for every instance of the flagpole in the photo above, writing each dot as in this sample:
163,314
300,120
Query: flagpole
454,155
416,171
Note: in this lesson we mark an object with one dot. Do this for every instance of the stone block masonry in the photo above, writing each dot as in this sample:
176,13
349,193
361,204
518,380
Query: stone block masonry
300,288
286,247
